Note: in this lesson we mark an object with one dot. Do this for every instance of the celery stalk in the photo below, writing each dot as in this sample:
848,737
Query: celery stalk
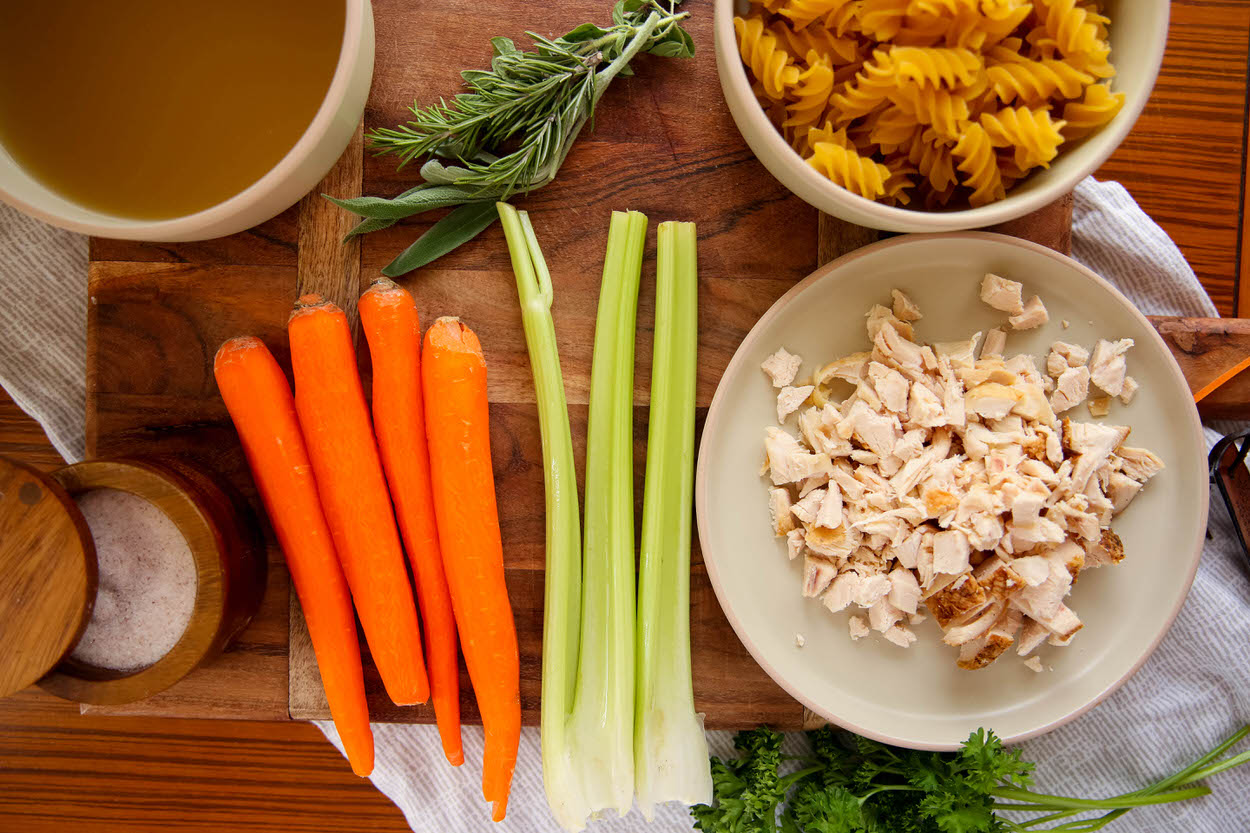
602,724
670,749
588,639
562,602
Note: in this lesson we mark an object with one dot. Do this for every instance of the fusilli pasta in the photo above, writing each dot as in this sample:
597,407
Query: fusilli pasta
930,103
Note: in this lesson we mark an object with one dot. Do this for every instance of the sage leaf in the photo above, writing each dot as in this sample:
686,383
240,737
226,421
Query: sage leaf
458,227
367,225
379,208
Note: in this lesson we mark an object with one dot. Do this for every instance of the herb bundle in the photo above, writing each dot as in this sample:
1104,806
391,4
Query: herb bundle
511,131
862,785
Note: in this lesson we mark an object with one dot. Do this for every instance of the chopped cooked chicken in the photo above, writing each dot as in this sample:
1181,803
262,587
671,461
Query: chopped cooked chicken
900,636
945,476
789,462
1002,294
1034,315
790,399
795,543
1100,406
1107,367
995,343
779,504
1106,550
818,573
1034,664
1064,355
905,308
1071,388
782,367
1129,390
1138,463
991,400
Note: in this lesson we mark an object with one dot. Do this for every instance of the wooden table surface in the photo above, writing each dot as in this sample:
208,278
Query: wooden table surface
1184,163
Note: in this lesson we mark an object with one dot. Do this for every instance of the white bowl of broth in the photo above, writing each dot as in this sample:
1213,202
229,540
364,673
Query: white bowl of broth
172,121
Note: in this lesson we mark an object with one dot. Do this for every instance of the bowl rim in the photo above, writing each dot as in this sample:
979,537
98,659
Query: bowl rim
714,416
887,217
357,15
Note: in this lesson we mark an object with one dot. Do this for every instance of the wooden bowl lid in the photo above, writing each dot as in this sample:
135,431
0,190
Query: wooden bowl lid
47,575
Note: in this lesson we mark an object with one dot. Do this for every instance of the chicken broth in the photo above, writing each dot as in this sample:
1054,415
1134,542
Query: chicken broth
151,109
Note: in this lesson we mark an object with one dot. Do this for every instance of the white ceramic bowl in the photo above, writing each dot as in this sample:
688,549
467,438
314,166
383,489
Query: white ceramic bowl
1138,34
917,697
294,175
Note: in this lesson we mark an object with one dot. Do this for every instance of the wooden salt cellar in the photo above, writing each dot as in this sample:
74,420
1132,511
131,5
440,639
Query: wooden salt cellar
48,574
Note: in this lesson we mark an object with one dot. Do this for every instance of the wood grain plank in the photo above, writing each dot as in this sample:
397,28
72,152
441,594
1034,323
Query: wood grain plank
325,265
1183,160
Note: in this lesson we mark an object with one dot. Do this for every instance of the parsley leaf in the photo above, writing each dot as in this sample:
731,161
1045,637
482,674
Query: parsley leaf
857,785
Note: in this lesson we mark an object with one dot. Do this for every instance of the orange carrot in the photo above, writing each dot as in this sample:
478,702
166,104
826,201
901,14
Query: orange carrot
259,401
389,319
344,454
453,374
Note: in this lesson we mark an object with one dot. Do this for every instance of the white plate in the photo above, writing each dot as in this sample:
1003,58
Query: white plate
917,697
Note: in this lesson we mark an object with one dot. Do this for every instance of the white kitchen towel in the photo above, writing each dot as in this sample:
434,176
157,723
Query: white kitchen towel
1194,690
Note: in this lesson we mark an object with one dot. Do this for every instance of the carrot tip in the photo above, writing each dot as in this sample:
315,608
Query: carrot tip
455,758
499,810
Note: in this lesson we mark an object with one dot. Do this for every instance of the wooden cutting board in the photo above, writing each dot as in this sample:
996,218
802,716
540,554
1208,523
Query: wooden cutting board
663,144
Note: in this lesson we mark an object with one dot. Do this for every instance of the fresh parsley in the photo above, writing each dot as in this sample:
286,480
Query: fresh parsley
850,784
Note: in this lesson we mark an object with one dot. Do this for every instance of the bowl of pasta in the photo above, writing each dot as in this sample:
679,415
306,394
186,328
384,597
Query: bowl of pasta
936,115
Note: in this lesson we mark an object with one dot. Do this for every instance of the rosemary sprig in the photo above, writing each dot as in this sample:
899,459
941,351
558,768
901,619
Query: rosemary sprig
510,132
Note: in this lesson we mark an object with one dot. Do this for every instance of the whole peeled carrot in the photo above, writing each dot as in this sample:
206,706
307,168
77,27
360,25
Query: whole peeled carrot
344,454
389,319
453,374
259,401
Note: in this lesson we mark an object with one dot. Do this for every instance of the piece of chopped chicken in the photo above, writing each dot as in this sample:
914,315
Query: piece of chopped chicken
779,504
782,367
995,343
818,572
795,543
857,627
905,308
984,650
1034,664
790,399
991,400
1032,316
1100,406
1106,550
1138,463
789,462
1002,294
1071,388
1107,366
900,636
1129,390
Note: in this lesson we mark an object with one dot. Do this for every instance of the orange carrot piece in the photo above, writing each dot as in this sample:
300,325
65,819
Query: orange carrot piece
344,454
1221,380
453,373
259,401
389,319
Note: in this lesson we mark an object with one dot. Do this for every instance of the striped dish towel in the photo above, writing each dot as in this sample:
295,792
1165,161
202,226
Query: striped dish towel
1192,692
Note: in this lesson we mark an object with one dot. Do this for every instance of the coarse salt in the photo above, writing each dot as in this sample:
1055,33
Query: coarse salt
147,582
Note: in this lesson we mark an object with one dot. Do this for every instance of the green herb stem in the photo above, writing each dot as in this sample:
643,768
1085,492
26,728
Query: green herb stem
511,130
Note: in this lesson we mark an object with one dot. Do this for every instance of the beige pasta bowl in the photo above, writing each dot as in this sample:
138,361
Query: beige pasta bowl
1137,35
917,697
